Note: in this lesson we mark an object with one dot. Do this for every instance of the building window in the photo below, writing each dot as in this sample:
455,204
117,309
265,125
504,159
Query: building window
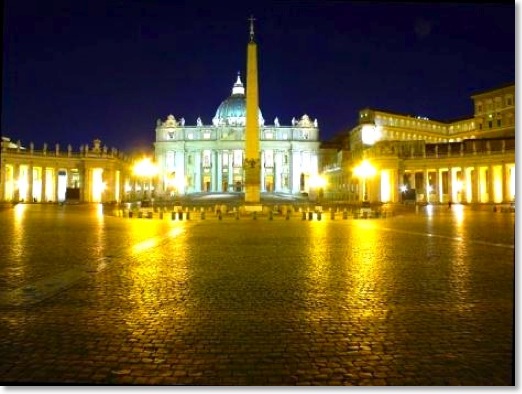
490,124
206,158
499,122
269,159
238,158
509,101
170,160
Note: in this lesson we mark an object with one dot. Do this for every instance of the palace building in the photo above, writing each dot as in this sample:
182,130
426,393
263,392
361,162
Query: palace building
390,157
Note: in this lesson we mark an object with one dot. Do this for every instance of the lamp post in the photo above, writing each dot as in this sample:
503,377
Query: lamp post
145,169
364,171
317,184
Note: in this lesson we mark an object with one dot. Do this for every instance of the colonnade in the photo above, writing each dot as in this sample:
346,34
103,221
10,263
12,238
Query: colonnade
441,181
36,176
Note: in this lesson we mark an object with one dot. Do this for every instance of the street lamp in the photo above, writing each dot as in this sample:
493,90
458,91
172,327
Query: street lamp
146,169
364,171
317,184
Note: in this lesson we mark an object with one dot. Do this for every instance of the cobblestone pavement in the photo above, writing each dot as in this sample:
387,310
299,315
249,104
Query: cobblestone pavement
416,299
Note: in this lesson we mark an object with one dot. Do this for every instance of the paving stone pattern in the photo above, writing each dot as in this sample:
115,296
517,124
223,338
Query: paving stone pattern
410,300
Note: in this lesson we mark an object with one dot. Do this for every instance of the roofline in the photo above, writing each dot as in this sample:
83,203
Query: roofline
503,86
400,114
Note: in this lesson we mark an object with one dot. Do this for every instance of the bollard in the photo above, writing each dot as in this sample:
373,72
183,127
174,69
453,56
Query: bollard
202,215
270,215
287,215
173,215
254,215
180,215
130,214
237,215
345,214
319,215
219,215
332,215
304,215
188,215
310,215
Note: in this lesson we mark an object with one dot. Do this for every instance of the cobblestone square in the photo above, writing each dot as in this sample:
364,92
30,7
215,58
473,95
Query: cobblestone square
421,298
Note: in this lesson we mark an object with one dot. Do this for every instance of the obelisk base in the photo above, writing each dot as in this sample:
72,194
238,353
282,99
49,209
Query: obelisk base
252,181
252,194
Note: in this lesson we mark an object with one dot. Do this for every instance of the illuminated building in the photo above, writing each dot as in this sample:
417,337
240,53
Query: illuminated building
471,160
92,174
215,157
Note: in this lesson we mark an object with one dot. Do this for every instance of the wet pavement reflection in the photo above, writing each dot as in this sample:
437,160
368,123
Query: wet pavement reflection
417,299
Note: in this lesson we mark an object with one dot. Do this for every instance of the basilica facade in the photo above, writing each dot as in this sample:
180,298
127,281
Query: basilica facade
209,157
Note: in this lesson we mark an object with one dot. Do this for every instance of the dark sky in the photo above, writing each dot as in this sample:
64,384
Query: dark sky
80,69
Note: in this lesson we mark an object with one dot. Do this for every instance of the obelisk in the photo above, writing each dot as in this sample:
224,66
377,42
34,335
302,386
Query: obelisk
252,164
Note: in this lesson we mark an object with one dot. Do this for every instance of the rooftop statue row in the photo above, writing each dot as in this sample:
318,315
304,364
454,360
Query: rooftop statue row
85,150
171,121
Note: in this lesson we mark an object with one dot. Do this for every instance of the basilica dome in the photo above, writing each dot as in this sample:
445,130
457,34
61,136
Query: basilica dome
232,111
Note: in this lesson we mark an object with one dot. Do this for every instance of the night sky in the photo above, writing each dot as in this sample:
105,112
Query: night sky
83,69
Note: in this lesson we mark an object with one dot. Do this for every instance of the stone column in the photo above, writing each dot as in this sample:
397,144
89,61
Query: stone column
87,184
505,196
2,179
231,170
426,185
44,183
440,186
491,184
109,194
395,182
277,170
450,184
219,166
214,167
56,177
30,182
476,176
464,190
16,177
199,169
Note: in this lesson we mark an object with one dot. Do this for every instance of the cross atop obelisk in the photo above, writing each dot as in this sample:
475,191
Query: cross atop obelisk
252,165
251,19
